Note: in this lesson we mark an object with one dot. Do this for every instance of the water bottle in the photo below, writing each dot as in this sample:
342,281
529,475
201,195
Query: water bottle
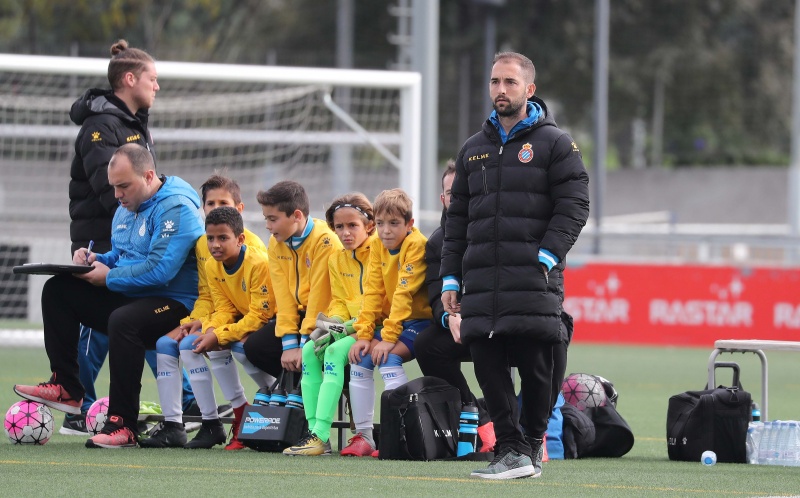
792,447
755,412
262,396
782,444
765,446
751,445
467,430
295,400
278,397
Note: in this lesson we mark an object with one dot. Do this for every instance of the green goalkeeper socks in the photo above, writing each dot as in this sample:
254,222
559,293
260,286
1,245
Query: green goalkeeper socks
331,389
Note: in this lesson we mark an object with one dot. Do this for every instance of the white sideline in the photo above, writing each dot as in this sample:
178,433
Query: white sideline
22,338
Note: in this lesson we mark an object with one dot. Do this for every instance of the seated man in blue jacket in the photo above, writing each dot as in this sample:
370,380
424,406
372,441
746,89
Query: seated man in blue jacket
138,291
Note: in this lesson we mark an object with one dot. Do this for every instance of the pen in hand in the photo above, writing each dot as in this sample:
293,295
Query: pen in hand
89,251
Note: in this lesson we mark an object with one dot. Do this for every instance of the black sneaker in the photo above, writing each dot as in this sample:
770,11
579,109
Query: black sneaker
194,411
165,435
210,434
74,425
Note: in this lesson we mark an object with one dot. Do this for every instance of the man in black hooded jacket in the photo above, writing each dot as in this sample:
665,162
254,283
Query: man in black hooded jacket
519,201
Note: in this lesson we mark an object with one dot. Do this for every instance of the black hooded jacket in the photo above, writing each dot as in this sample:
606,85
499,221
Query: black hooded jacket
106,124
508,201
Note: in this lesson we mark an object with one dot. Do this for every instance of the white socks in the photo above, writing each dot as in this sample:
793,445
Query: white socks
202,383
260,377
362,398
227,374
169,381
393,377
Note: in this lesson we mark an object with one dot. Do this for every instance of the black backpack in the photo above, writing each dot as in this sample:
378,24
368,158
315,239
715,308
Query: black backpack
419,420
711,419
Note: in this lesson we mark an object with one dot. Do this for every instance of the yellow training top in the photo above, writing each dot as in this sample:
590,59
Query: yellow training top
203,306
348,273
300,278
242,296
399,279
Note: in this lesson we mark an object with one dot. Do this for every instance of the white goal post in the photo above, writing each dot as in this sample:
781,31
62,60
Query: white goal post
333,130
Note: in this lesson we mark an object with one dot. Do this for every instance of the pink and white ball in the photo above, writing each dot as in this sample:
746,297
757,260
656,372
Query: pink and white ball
28,422
96,416
583,391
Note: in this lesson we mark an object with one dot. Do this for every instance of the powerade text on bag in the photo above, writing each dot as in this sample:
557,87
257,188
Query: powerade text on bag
419,420
711,419
273,428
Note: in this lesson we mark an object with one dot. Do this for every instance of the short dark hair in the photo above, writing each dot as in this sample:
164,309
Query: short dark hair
449,169
287,196
226,215
528,69
357,201
218,181
140,158
125,59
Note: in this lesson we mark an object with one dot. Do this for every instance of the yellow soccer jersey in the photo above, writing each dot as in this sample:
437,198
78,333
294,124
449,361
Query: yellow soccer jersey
300,278
242,296
399,279
348,272
203,306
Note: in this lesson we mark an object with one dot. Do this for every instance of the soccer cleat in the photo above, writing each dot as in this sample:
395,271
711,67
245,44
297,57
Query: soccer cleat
211,433
165,435
194,411
74,425
358,445
508,464
235,444
114,435
488,439
310,445
376,454
52,395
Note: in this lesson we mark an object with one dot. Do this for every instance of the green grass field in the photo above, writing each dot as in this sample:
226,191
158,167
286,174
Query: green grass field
644,377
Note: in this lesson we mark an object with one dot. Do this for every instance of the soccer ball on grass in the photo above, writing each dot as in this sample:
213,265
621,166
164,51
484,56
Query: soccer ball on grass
96,416
28,422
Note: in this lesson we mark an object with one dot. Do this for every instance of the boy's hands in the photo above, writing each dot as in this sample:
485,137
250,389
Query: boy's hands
358,351
206,342
380,352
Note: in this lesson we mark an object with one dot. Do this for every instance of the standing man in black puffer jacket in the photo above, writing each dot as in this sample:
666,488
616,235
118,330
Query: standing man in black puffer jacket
519,201
108,120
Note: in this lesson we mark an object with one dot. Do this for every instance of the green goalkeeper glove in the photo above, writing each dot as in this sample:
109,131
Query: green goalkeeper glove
328,331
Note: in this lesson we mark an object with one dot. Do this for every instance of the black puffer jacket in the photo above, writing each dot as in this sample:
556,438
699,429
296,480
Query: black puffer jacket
106,123
502,211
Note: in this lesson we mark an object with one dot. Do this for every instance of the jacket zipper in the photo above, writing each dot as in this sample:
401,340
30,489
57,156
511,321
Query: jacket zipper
297,276
483,171
497,210
361,276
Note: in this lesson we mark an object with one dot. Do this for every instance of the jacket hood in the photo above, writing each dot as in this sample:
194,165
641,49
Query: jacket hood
546,119
172,186
99,101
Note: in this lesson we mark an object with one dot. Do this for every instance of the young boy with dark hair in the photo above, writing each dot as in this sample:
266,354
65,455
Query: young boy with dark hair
217,191
397,278
298,264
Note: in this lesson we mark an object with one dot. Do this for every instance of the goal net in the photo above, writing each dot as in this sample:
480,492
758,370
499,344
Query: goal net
334,131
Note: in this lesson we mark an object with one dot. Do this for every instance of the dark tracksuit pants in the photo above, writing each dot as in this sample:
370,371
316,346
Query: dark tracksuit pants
264,350
439,356
133,325
534,362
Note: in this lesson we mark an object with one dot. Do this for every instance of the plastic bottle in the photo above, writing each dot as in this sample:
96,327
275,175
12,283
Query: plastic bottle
764,448
755,412
295,399
278,397
262,396
782,446
467,430
791,447
752,443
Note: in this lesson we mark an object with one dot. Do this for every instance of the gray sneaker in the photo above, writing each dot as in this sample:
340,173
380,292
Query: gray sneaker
508,464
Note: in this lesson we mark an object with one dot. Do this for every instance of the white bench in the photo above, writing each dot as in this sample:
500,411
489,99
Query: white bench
750,346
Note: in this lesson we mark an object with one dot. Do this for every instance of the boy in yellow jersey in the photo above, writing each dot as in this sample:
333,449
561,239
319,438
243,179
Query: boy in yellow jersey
396,275
298,264
240,285
216,192
325,358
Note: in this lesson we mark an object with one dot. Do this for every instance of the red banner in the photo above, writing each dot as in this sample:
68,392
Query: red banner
681,305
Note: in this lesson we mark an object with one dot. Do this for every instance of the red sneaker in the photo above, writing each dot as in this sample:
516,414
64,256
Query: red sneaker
52,395
235,444
113,435
376,454
486,433
359,446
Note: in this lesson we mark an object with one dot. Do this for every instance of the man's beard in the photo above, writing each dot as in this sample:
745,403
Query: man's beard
511,109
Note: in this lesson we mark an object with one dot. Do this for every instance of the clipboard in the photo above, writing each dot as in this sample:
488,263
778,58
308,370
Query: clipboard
50,269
